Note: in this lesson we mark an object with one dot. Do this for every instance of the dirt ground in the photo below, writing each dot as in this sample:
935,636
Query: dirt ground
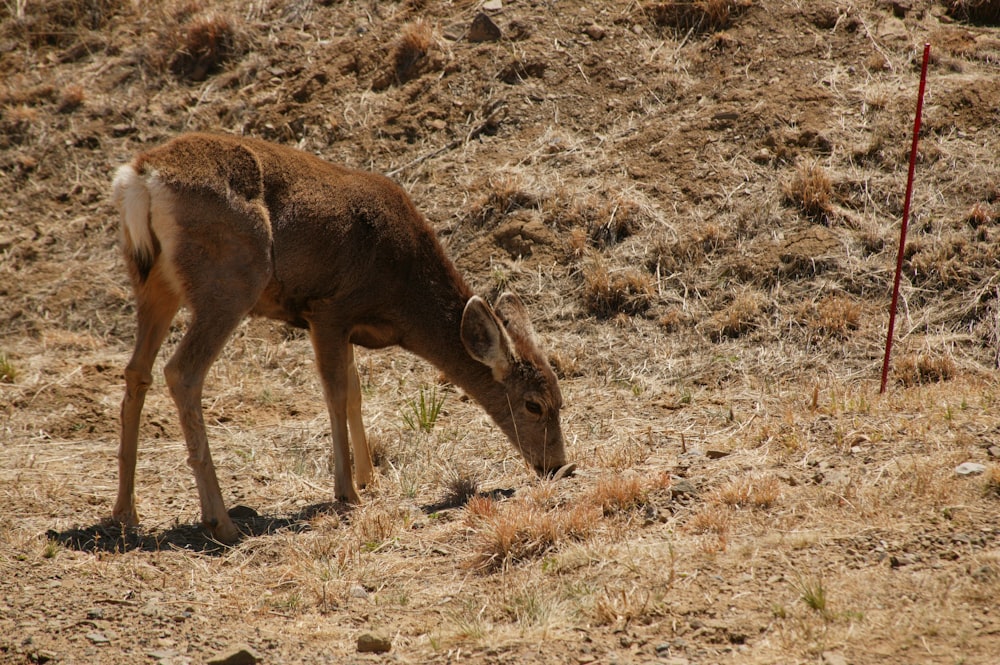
699,203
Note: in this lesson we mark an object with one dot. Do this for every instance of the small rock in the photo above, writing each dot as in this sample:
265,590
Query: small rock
483,29
595,32
682,487
98,638
162,654
833,658
900,560
970,469
983,574
716,454
994,451
358,591
238,655
493,5
373,643
663,649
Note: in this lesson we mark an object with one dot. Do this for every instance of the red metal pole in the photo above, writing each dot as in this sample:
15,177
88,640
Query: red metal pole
906,217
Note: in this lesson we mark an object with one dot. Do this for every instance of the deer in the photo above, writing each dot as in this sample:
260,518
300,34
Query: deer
231,227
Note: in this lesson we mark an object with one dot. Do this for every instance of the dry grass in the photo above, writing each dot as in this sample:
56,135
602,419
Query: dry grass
699,16
415,52
811,190
670,201
740,317
760,492
983,12
920,368
607,294
836,316
505,193
206,43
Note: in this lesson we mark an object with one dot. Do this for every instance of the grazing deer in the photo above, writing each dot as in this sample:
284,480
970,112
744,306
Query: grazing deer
231,227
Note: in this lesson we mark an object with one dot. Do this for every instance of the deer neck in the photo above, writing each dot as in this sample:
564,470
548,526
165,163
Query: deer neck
438,339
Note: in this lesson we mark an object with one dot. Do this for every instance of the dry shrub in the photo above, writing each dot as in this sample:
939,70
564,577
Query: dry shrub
376,525
619,494
739,318
522,530
810,189
749,492
710,518
57,23
919,369
980,216
461,488
833,316
673,319
956,260
622,606
699,16
415,52
992,486
71,98
505,195
603,221
982,12
670,256
17,125
608,294
206,43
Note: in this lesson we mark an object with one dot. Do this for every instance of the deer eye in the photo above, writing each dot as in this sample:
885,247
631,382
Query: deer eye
533,407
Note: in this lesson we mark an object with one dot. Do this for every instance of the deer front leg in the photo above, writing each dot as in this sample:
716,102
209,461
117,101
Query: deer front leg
334,358
363,472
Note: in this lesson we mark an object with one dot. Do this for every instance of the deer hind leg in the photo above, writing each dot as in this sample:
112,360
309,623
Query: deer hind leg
335,360
156,307
185,373
363,472
222,260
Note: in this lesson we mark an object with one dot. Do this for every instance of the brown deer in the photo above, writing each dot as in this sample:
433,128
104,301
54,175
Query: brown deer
231,227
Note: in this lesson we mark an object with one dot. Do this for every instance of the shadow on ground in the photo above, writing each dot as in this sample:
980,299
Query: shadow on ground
458,499
108,537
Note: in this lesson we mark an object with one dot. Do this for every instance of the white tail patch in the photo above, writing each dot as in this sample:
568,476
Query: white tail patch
131,196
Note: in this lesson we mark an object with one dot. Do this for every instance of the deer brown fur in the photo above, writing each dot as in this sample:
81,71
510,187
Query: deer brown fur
231,227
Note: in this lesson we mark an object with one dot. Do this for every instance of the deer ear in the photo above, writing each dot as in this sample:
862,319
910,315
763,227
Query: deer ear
485,338
514,316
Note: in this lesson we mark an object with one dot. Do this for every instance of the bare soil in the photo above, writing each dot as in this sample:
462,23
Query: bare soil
699,202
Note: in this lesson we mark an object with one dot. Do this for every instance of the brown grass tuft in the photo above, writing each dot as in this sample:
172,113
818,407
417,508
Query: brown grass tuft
506,193
912,370
834,316
71,98
699,16
415,52
206,43
616,495
669,256
608,294
980,215
522,530
992,486
811,190
759,492
982,12
739,318
710,518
